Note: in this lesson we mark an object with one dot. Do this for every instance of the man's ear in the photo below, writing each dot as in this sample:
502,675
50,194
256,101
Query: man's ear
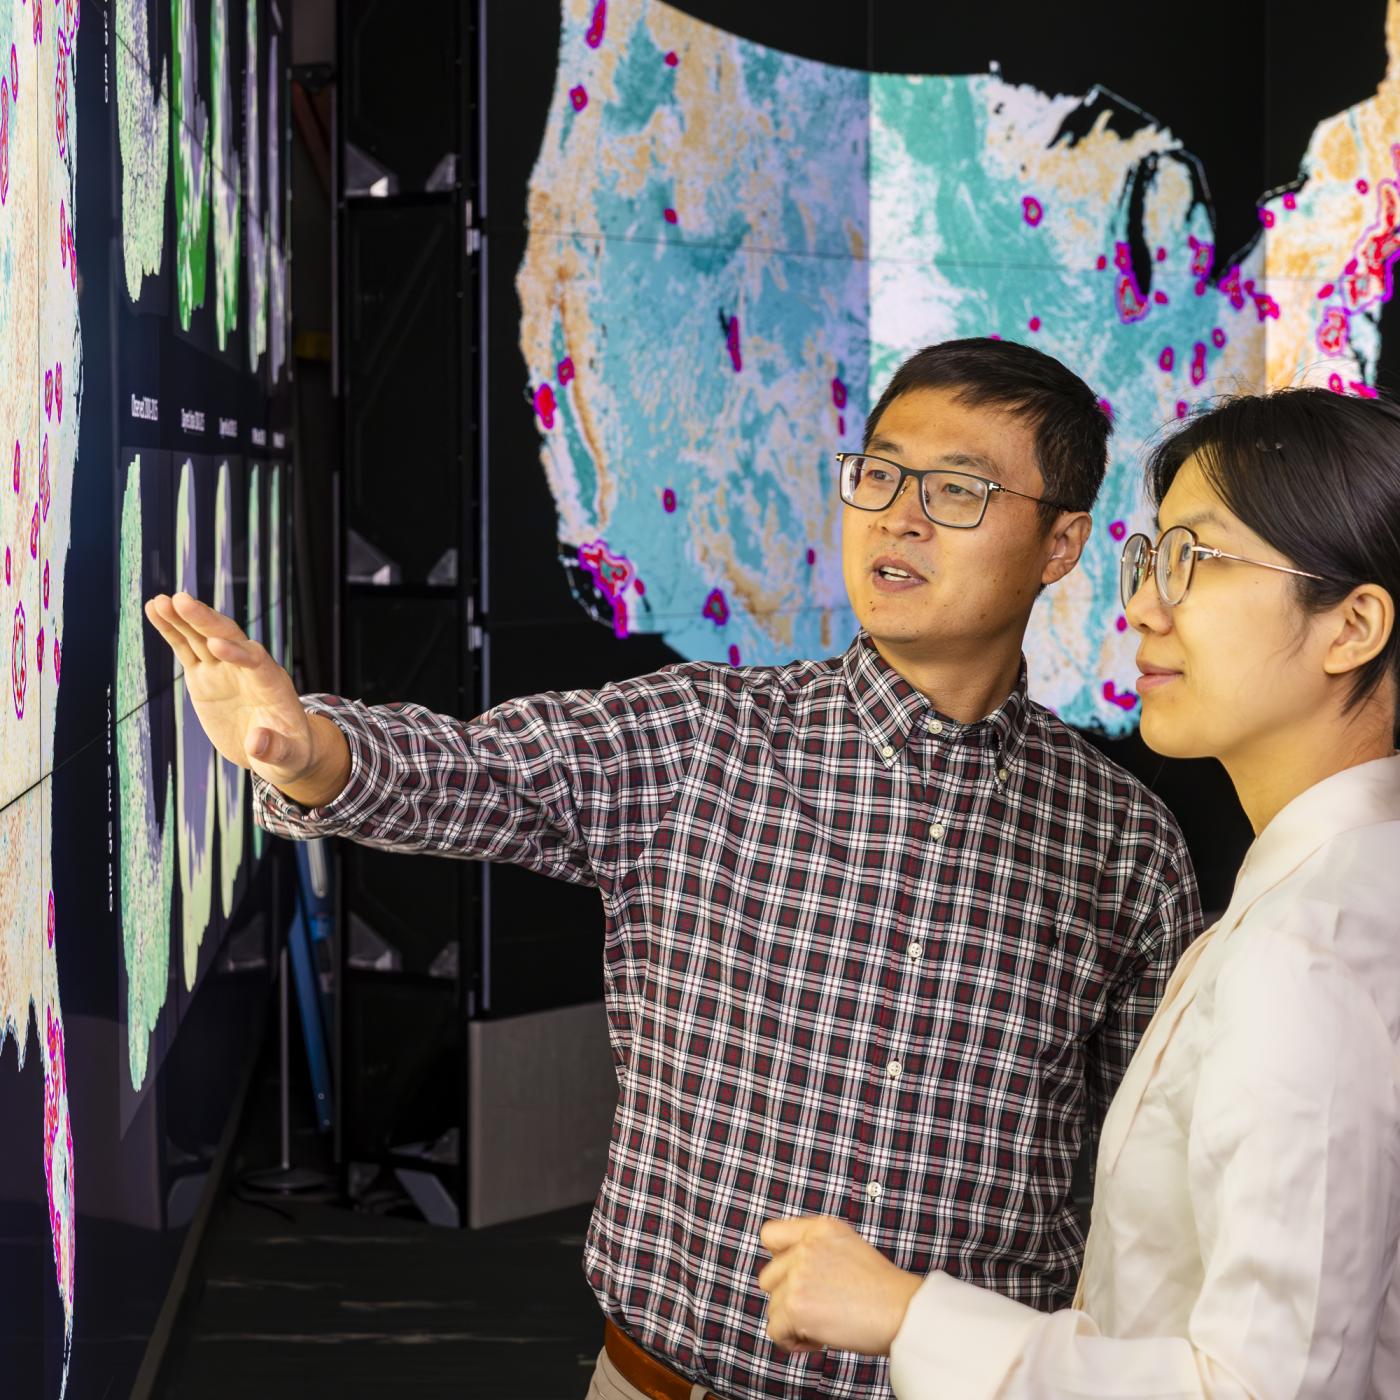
1066,540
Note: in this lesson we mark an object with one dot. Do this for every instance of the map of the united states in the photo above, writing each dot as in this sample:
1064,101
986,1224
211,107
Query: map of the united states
731,249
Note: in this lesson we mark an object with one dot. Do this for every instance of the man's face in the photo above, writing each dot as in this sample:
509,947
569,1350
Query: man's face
966,586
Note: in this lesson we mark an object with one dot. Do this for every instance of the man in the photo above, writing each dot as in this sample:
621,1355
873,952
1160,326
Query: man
882,934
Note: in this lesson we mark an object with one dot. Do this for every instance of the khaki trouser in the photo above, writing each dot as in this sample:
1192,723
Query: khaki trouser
607,1384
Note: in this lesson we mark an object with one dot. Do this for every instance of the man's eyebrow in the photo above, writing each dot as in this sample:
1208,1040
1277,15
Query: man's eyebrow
955,461
881,444
972,461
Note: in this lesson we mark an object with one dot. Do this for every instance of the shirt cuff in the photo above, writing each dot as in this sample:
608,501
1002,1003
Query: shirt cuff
958,1339
277,813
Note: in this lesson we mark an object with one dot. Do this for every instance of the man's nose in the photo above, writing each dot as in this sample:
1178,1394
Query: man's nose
905,514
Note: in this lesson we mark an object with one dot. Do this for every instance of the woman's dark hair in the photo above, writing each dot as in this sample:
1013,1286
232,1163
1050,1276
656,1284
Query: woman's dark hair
1071,426
1316,475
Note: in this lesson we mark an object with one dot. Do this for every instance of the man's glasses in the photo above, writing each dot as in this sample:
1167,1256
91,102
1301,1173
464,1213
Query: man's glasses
1173,558
955,499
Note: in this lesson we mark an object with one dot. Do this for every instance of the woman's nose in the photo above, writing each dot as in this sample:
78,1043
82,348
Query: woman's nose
1146,612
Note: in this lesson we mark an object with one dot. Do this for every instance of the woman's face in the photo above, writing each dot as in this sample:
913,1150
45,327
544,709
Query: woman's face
1236,663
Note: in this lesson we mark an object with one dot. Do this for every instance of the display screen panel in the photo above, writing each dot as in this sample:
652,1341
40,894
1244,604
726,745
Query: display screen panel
145,410
728,248
712,230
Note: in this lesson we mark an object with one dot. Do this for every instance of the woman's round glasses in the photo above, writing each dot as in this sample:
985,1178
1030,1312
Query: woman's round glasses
955,499
1173,559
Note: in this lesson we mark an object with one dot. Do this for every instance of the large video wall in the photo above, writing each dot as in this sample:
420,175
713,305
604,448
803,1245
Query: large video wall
145,412
729,248
713,228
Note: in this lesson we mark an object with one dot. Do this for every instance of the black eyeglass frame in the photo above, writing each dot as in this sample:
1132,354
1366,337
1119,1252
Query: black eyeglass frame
993,487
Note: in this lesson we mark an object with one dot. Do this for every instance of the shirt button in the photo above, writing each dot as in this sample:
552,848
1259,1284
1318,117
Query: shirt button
887,751
936,831
894,1069
873,1190
935,726
916,951
1001,775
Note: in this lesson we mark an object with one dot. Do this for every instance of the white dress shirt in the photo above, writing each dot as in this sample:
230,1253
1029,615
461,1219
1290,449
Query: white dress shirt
1247,1204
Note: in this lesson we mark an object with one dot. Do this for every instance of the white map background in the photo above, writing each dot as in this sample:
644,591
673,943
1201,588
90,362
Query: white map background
41,379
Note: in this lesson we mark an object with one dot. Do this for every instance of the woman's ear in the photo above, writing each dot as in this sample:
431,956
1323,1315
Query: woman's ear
1366,619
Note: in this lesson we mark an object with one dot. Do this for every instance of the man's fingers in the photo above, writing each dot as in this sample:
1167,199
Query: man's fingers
204,619
774,1272
237,653
201,623
782,1234
194,638
174,637
776,1280
784,1333
779,1330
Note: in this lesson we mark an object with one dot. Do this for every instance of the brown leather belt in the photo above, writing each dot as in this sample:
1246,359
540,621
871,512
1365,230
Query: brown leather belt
642,1370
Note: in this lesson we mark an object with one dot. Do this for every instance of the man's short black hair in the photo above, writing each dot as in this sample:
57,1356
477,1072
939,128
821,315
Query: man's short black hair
1071,427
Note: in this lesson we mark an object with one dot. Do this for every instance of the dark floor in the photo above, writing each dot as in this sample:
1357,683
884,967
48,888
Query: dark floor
316,1297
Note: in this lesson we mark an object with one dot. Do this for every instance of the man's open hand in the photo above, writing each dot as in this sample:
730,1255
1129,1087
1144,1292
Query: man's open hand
247,703
828,1288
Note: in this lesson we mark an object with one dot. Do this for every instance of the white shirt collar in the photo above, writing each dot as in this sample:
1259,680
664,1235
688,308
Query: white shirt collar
1361,796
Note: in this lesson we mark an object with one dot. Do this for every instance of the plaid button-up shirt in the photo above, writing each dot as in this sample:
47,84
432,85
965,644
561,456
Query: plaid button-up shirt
861,961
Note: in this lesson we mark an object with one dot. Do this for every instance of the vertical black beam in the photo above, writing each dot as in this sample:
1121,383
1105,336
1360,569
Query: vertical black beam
355,217
338,398
469,191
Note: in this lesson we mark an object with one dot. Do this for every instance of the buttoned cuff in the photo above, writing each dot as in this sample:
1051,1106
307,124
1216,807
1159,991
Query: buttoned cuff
277,813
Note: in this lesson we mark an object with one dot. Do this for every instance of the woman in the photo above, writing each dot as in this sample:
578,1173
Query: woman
1247,1206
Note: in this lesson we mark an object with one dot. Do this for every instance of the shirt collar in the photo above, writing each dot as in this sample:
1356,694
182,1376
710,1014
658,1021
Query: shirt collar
892,712
1361,796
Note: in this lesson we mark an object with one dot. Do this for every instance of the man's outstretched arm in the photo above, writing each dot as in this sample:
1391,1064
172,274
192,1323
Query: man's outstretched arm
248,705
571,785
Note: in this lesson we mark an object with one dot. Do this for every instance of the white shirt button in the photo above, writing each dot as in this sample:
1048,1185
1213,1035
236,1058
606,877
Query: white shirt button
873,1190
894,1069
916,951
936,831
887,751
1001,775
935,726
